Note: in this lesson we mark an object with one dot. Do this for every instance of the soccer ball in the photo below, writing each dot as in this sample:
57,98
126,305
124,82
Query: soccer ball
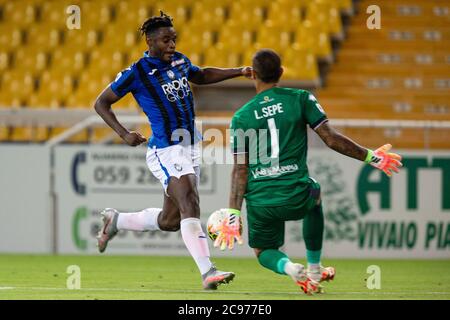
214,221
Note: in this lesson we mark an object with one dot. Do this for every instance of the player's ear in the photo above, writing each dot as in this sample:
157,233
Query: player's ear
253,72
148,40
281,71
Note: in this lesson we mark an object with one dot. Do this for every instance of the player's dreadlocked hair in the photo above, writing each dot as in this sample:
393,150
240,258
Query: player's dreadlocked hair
154,23
267,65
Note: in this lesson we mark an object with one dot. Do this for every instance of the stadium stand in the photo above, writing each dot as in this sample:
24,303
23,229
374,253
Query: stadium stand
398,72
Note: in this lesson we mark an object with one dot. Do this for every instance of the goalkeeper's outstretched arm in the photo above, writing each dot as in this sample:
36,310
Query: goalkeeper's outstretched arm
380,158
239,177
340,143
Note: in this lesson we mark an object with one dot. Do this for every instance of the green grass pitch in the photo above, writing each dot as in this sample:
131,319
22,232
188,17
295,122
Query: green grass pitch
168,278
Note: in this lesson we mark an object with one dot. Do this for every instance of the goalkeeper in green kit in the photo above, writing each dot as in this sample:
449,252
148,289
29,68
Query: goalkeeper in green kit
269,142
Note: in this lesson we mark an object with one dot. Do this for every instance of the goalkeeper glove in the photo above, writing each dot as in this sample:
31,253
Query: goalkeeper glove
230,230
383,160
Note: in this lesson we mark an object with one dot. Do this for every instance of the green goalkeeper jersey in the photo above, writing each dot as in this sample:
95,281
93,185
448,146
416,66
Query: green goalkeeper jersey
272,129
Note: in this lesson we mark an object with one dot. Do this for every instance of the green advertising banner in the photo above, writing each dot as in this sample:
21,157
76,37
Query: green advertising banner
367,214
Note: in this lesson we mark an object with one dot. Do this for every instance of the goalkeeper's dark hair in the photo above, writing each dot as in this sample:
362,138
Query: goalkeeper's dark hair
267,65
154,23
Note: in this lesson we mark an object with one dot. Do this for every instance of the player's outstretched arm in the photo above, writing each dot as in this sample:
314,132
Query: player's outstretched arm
103,108
380,158
212,75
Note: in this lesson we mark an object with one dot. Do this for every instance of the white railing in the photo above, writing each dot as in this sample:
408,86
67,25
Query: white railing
349,123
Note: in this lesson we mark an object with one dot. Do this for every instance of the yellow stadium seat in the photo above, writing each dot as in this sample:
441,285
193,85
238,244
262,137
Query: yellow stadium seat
300,63
10,37
95,14
102,58
345,6
4,133
325,15
99,134
145,130
19,14
130,15
54,13
40,134
235,36
5,61
116,38
274,37
44,37
81,137
209,15
198,41
21,134
19,84
90,85
247,56
54,89
44,99
187,48
29,59
69,61
126,102
221,57
178,11
134,54
288,16
308,36
247,15
9,100
83,39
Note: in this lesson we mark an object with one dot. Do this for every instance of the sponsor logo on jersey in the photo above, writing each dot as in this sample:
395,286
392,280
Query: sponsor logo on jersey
177,62
312,98
170,74
267,99
121,73
177,89
274,171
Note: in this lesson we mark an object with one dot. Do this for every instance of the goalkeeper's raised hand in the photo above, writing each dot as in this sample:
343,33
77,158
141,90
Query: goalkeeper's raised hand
384,160
229,230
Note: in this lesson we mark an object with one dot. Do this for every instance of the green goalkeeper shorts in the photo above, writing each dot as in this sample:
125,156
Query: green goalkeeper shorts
266,225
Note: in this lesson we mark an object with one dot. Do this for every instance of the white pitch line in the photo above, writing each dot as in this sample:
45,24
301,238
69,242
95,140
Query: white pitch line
221,292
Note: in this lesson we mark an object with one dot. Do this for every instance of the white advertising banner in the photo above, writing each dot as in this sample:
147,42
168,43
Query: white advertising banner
25,211
366,213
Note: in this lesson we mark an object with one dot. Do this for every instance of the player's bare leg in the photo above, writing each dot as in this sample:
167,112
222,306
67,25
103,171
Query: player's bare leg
184,194
150,219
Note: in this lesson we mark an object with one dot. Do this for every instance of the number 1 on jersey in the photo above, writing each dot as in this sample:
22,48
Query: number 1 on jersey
274,143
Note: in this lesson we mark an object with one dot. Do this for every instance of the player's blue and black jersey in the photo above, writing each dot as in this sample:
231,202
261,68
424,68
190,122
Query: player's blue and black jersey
164,94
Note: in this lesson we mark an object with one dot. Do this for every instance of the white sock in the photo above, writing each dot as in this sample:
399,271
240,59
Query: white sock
195,240
145,220
294,270
314,267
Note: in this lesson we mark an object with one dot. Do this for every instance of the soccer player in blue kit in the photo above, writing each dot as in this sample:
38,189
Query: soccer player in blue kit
159,82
